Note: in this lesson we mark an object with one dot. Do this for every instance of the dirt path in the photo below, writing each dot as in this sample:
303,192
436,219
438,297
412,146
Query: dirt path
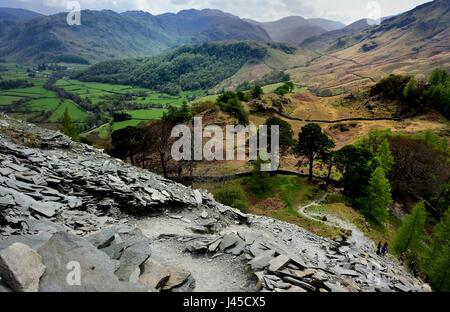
358,238
224,273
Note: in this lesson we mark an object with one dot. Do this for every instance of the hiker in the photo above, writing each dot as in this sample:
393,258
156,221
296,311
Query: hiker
384,249
379,248
402,258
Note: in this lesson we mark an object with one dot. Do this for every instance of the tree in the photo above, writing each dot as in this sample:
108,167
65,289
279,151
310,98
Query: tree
420,170
355,162
384,156
378,196
437,260
330,159
161,131
179,115
313,143
439,91
288,87
67,126
125,143
235,108
257,92
286,134
412,231
259,181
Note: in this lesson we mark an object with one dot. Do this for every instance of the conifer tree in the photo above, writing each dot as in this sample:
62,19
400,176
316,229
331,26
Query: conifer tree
67,126
378,196
438,256
384,156
412,231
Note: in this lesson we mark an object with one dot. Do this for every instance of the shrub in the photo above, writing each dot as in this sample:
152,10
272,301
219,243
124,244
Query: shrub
233,196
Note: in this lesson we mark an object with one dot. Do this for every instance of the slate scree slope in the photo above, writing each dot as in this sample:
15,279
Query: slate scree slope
67,208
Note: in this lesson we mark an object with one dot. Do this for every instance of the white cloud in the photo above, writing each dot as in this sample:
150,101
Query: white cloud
262,10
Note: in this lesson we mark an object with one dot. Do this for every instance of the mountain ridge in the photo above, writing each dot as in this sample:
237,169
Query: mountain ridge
110,35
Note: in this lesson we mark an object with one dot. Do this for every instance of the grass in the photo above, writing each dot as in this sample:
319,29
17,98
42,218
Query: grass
7,99
50,104
103,92
127,123
75,113
280,199
373,230
147,114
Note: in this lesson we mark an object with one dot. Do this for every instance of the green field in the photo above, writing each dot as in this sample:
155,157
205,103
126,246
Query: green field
7,99
75,113
99,93
48,105
138,116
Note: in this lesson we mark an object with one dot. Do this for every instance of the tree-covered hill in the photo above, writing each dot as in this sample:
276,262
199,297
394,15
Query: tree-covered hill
186,68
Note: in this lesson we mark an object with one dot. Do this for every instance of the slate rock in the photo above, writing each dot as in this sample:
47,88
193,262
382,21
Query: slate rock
4,287
278,263
115,249
177,277
33,241
262,260
21,267
132,258
213,247
298,289
334,287
96,268
154,274
102,238
187,286
299,283
228,241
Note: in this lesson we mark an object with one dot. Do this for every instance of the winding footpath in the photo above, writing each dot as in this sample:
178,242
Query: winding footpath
357,237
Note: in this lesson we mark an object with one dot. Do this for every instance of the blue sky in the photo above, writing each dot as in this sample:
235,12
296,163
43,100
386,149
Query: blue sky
345,11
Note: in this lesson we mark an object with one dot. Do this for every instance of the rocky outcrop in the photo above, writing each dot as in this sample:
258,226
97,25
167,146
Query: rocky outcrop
88,222
21,267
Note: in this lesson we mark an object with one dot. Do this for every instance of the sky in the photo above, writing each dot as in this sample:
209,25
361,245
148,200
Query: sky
345,11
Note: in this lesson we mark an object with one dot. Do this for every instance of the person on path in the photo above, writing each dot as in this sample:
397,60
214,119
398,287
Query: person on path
379,248
384,249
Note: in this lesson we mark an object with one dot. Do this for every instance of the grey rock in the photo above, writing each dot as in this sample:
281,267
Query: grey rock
132,258
46,211
34,241
4,287
154,274
347,272
177,277
282,285
187,286
402,287
278,263
213,247
238,248
298,289
262,260
334,287
5,201
115,249
102,238
21,267
299,283
97,270
228,241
